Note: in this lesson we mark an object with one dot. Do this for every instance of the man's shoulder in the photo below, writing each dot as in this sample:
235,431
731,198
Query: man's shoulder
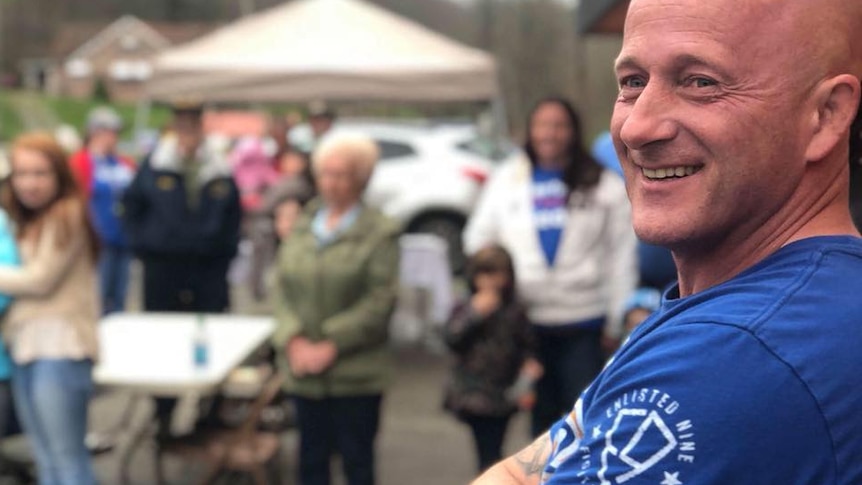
815,276
815,286
700,403
802,302
774,346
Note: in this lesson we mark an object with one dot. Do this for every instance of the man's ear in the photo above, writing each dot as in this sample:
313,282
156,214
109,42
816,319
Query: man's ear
837,101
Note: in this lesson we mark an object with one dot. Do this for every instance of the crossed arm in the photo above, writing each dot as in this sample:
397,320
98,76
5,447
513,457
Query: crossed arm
523,468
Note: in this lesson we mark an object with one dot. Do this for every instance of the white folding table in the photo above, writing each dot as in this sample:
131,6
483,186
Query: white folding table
152,354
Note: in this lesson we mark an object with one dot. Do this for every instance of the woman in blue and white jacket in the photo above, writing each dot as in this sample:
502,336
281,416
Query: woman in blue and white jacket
567,223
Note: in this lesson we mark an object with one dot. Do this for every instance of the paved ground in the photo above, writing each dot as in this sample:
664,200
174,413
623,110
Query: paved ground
419,443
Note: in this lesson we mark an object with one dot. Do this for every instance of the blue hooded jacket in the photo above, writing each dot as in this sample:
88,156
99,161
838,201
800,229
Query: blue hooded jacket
8,256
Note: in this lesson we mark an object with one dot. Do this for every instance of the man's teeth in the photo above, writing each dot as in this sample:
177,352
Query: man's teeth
661,173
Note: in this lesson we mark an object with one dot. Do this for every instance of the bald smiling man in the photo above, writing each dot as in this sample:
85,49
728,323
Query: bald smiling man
733,126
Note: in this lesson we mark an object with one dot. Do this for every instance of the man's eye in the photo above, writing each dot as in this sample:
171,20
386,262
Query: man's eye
632,82
700,82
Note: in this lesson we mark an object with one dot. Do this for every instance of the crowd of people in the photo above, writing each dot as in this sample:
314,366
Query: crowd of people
552,262
71,225
76,222
568,253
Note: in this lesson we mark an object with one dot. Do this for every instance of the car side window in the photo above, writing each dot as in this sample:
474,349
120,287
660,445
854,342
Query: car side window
391,149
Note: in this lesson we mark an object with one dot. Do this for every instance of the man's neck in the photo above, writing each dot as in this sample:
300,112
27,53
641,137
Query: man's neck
704,267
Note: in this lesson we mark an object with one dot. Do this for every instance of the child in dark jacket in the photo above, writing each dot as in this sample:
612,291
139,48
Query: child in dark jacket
494,370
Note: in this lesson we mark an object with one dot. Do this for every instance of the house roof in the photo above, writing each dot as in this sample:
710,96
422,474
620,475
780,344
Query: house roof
82,38
602,16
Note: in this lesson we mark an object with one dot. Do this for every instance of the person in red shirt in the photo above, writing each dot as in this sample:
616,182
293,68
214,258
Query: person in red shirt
103,176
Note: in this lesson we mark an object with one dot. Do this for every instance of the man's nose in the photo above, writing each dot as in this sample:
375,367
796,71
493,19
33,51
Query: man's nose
649,119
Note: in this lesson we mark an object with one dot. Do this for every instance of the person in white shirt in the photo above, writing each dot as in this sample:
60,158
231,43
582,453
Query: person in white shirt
567,223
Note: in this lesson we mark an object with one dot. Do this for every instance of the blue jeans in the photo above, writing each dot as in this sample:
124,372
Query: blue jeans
114,277
51,398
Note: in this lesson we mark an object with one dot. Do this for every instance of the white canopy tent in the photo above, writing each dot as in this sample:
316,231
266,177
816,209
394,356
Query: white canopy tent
338,50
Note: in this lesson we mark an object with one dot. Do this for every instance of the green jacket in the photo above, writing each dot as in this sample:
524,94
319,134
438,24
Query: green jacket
344,292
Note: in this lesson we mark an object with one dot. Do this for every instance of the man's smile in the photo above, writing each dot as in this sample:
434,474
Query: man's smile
669,172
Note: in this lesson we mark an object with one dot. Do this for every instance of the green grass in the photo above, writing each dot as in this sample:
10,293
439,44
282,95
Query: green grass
74,112
10,125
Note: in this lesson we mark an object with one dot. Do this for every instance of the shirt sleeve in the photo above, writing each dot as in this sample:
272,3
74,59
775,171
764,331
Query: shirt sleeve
694,404
136,205
233,219
463,327
483,226
41,274
287,322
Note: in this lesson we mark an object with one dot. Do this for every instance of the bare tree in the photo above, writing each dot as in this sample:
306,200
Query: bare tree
540,53
533,43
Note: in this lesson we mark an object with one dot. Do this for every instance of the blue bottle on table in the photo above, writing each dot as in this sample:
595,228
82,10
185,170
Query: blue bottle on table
200,343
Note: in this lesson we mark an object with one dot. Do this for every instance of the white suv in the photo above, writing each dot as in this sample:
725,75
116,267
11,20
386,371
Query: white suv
429,175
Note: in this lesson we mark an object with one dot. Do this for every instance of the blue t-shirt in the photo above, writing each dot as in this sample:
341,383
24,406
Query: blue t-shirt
111,177
550,195
753,381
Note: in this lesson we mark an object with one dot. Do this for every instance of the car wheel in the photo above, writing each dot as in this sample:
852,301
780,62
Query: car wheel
450,228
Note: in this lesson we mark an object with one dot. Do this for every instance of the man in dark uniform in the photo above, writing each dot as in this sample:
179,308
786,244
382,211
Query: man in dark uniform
182,214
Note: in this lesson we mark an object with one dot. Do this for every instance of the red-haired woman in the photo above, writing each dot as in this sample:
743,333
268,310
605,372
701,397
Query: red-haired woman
51,328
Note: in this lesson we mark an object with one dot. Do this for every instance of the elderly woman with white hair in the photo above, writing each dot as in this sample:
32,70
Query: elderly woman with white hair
335,292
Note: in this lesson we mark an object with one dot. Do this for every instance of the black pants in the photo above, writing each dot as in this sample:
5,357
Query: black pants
488,435
7,412
347,425
572,358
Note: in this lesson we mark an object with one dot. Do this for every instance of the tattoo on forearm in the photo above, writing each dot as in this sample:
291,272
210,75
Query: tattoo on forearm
533,458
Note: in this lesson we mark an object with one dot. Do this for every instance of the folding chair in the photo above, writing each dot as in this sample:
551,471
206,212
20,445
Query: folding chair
243,449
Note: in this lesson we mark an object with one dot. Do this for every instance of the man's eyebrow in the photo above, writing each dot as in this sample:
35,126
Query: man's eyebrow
687,60
678,63
626,62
